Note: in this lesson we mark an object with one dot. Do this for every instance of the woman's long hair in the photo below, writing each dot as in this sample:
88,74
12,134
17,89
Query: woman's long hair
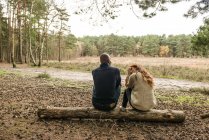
147,77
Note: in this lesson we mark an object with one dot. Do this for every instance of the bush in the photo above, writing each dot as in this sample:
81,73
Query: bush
44,75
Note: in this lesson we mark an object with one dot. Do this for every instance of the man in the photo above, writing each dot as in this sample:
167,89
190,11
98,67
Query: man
107,84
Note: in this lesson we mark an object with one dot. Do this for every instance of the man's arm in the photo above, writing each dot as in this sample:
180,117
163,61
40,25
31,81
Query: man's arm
118,80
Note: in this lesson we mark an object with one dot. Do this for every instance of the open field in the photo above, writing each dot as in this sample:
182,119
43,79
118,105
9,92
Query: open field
195,69
202,63
22,96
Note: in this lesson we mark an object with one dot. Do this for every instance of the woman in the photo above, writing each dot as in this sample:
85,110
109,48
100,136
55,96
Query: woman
139,90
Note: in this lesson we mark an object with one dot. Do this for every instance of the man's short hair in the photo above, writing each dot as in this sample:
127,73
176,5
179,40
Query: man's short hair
105,58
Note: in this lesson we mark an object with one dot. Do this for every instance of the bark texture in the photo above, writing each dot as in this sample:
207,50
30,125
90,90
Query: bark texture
91,113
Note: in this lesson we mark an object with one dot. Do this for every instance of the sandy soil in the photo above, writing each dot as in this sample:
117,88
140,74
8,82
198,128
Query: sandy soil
21,96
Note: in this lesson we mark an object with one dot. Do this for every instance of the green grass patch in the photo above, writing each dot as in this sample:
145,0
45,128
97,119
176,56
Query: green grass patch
196,100
200,90
44,75
2,72
84,67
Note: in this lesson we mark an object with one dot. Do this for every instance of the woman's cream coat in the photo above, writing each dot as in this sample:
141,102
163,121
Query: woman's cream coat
142,96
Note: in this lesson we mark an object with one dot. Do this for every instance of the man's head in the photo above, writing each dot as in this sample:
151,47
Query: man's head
105,58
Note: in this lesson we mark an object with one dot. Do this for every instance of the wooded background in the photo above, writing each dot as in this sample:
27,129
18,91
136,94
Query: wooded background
35,30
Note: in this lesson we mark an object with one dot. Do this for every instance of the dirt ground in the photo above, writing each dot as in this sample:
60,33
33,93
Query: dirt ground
21,96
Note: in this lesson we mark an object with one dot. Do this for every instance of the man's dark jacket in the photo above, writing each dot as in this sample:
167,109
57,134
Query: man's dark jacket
106,83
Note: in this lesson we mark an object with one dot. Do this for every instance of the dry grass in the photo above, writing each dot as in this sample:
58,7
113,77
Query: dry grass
202,63
174,68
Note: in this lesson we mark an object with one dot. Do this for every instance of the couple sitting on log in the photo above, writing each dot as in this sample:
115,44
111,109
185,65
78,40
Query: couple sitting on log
107,87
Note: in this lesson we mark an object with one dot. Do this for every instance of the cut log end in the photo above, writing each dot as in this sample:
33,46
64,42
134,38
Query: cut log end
91,113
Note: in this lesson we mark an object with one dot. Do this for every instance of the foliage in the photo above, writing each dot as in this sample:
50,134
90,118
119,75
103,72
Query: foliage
200,40
26,27
149,45
34,30
164,50
109,9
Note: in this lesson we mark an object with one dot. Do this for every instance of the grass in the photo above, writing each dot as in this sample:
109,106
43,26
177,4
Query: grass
194,100
84,67
200,90
159,71
44,75
2,72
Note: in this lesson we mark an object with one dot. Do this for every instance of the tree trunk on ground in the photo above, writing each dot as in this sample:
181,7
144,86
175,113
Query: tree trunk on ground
130,114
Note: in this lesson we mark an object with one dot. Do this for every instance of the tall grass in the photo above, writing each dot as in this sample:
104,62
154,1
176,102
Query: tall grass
161,71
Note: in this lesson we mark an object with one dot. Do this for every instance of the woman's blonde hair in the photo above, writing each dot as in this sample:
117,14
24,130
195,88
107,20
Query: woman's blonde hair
147,77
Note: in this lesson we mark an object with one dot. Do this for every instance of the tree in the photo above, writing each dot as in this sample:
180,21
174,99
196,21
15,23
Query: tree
183,46
151,44
63,18
163,52
1,33
110,9
200,41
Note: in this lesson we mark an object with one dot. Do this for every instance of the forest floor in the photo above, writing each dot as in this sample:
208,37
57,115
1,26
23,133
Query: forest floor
21,95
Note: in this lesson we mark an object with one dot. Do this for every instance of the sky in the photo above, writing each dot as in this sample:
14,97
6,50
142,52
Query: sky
169,22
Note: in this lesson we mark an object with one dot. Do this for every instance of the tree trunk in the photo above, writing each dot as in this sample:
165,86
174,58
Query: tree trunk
31,53
60,35
59,41
30,39
13,39
1,47
9,34
130,114
26,38
20,41
41,53
47,49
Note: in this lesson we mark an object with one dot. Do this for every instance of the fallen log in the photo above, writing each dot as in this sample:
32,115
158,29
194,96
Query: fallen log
131,114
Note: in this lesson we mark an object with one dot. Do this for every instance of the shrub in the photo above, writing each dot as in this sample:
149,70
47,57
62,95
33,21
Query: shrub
44,75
